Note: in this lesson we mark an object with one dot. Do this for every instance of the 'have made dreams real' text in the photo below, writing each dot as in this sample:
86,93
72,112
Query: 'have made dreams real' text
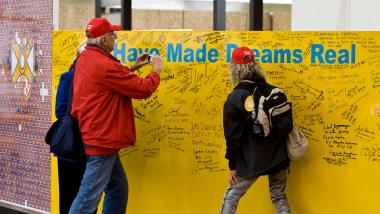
319,54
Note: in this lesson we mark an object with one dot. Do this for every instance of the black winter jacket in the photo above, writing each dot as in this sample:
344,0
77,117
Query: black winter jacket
245,152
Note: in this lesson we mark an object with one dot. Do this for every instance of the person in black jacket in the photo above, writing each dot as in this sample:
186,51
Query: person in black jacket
248,156
69,173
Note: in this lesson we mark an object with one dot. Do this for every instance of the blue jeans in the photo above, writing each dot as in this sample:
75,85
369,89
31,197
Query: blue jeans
103,173
277,183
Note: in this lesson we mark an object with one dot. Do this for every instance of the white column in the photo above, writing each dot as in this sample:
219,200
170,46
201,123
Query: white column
56,14
343,15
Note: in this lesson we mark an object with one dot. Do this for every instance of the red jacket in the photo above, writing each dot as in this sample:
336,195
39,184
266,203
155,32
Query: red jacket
102,103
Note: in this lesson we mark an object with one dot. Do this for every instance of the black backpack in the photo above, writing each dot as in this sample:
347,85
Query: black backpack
64,136
272,113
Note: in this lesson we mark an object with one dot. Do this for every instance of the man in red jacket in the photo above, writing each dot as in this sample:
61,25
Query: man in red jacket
103,89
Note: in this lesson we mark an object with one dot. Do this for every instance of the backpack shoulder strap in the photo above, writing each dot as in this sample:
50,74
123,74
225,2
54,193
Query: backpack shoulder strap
70,98
252,87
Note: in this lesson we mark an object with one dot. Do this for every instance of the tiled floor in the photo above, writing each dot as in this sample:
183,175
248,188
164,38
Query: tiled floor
4,210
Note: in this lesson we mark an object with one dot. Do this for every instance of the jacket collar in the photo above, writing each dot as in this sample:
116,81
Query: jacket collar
250,83
254,80
102,51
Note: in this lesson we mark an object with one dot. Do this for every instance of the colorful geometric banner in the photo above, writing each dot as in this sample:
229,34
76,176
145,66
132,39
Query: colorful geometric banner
25,102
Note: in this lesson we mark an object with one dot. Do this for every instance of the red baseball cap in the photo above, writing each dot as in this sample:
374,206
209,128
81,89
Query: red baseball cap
243,55
100,26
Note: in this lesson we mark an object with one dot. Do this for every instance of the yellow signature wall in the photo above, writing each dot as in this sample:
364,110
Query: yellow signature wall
178,165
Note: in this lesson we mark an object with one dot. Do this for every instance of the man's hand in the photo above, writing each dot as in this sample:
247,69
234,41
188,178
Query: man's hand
234,178
140,62
157,64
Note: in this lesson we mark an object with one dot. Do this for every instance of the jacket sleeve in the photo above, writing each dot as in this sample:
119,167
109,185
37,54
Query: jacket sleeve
121,80
233,132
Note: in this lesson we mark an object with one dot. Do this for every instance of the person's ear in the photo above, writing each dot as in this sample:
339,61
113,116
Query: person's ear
103,40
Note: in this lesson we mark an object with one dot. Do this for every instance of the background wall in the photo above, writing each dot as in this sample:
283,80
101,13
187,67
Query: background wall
335,15
200,20
74,15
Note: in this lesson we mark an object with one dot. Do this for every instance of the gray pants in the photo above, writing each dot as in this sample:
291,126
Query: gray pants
277,183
